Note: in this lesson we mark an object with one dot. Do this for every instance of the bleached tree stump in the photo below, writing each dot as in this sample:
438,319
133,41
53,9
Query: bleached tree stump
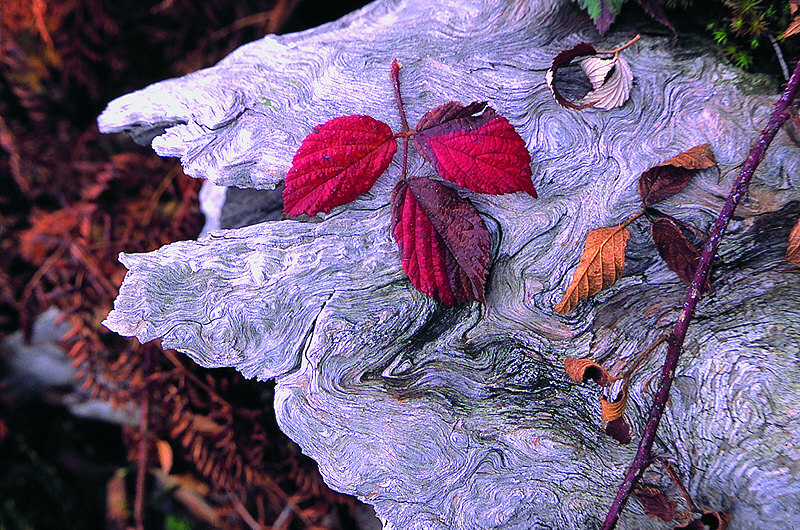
462,417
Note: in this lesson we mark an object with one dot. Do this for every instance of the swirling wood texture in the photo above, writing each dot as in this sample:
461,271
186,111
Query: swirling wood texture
463,417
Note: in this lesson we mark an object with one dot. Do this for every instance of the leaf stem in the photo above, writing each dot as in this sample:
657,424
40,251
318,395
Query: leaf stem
406,132
626,45
678,335
397,97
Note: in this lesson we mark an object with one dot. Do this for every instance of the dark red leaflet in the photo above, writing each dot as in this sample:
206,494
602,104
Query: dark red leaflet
336,163
444,244
619,430
660,182
655,9
481,152
680,255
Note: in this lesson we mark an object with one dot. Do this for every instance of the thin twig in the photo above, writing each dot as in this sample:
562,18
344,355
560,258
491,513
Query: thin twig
779,55
642,458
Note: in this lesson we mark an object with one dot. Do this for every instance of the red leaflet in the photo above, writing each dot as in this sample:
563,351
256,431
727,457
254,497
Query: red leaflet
336,163
444,244
481,152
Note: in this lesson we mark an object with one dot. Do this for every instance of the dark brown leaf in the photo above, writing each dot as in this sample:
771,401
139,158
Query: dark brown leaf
671,177
444,244
582,370
619,430
656,504
680,255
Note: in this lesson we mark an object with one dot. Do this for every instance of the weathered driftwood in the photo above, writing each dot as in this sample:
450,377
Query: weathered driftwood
462,417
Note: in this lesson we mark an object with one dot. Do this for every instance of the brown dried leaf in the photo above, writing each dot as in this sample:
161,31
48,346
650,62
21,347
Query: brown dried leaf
601,265
656,504
794,25
619,430
793,250
671,177
680,255
581,370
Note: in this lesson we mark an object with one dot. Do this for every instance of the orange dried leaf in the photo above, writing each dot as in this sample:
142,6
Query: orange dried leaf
611,410
698,157
581,370
656,504
793,250
601,265
794,25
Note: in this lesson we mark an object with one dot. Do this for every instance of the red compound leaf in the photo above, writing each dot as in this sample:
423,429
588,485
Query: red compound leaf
336,163
476,148
444,244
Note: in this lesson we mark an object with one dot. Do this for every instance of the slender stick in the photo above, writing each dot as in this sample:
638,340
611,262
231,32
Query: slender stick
642,458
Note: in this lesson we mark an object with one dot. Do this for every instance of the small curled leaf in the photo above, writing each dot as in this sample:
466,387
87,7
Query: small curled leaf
710,520
561,60
582,370
615,408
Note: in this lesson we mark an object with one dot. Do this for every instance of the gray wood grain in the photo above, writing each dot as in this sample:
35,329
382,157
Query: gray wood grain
462,417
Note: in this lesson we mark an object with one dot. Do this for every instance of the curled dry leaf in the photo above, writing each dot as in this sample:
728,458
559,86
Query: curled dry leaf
614,408
656,504
671,177
601,265
611,78
476,148
443,242
710,520
561,60
680,255
793,250
581,370
612,81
